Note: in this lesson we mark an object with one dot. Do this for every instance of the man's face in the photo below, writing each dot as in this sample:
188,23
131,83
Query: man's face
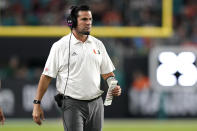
84,22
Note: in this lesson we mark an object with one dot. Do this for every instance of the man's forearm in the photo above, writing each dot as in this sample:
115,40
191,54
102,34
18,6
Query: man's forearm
105,76
42,86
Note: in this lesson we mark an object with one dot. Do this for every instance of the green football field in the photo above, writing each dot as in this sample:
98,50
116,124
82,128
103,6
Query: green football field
109,125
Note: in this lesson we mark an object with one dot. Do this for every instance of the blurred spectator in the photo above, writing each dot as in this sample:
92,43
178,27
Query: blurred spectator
11,69
52,12
3,4
22,73
32,12
140,81
142,45
112,18
19,11
194,34
139,93
14,69
99,8
37,73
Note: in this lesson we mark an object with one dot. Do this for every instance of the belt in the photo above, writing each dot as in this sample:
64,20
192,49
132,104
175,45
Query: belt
68,97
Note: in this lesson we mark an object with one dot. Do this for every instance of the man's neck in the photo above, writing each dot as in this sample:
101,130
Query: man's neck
79,36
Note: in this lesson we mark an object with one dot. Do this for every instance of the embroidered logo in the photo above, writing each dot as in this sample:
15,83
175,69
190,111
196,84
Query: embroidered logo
74,54
46,69
96,52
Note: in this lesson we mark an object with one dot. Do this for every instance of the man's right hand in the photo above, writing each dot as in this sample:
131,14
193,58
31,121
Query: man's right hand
2,118
38,114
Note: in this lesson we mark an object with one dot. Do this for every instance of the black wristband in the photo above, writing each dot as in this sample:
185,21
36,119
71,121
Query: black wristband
37,102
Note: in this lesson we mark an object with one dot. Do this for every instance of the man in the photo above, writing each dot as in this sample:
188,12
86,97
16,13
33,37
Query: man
77,61
2,118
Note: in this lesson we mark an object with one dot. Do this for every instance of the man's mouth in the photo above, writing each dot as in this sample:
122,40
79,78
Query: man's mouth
87,27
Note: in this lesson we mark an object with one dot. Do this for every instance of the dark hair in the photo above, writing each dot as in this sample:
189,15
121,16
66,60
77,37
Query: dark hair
72,18
75,10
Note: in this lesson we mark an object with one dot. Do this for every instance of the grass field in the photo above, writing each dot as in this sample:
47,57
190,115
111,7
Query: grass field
109,125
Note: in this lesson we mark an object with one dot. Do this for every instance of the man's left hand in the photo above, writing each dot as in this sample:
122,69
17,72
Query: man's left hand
116,91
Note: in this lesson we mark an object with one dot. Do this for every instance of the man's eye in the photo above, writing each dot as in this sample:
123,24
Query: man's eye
84,19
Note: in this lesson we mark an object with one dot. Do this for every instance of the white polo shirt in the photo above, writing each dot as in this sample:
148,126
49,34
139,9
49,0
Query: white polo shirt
87,61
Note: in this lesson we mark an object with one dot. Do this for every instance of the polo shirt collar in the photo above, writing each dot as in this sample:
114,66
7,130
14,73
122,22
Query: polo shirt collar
89,40
76,41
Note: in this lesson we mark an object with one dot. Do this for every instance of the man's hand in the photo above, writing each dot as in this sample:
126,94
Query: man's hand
116,91
38,114
2,118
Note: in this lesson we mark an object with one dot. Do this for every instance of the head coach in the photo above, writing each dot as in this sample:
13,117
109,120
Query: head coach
77,61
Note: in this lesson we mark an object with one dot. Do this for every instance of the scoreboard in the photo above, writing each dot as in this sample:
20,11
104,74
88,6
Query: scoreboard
173,68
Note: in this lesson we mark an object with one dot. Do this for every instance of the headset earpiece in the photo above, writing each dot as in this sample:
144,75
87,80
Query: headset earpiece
70,22
72,18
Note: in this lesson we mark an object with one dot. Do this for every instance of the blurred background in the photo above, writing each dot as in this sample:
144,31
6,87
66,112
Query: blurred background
153,47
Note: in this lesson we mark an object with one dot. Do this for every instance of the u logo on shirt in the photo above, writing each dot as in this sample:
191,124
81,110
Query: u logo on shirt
96,52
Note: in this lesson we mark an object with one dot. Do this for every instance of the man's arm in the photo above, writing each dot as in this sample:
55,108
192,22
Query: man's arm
2,118
117,90
105,76
42,87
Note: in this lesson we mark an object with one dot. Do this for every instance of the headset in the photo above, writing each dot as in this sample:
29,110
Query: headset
72,23
72,18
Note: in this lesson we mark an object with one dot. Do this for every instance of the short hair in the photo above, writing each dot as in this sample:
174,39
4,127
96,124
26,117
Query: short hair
72,18
75,9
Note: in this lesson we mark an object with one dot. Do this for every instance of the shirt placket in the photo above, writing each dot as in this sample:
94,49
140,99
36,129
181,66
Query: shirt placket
84,49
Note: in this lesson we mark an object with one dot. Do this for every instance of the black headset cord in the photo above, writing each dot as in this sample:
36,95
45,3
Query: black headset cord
68,68
64,96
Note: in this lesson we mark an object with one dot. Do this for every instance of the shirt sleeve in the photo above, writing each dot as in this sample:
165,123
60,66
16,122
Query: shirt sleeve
106,65
52,63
